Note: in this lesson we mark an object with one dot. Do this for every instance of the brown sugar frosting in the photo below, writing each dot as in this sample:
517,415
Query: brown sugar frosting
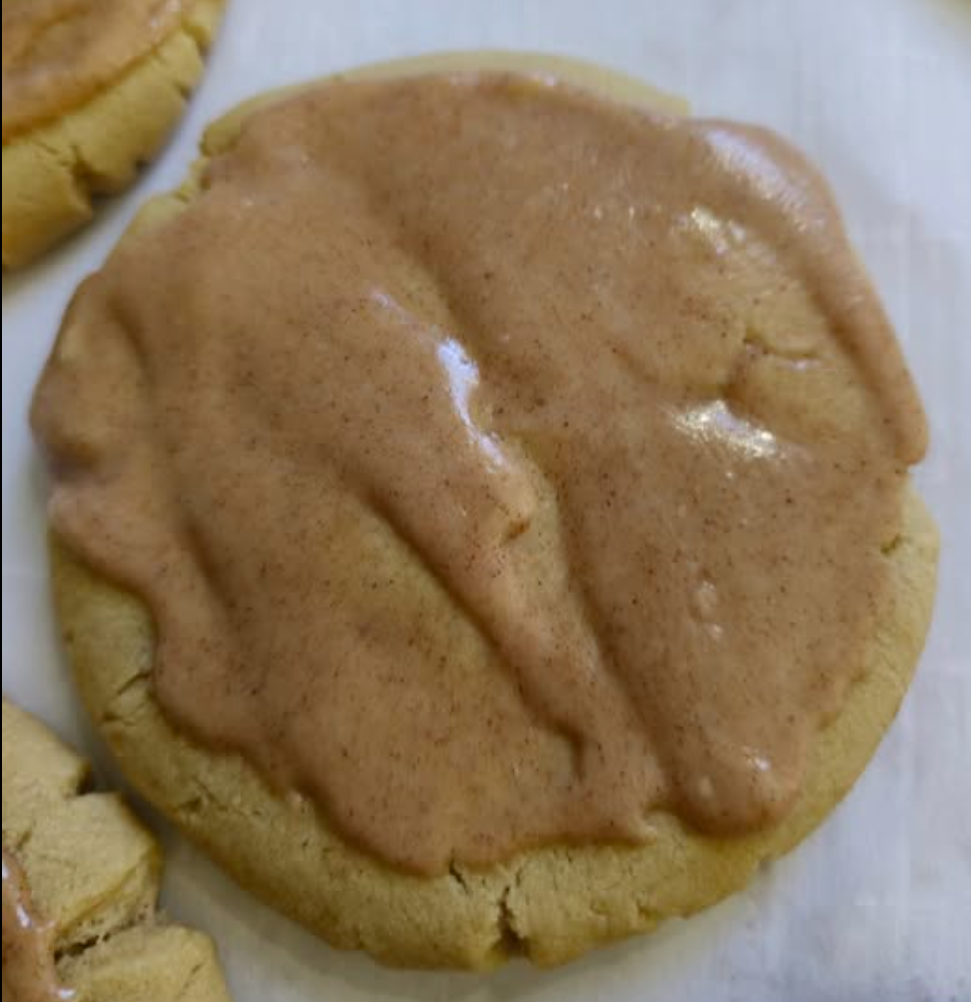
29,974
57,53
498,462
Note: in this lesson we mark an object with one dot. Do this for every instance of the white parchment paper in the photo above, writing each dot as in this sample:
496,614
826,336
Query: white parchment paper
878,92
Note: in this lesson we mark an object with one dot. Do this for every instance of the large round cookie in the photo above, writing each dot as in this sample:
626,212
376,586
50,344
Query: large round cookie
53,169
92,871
550,904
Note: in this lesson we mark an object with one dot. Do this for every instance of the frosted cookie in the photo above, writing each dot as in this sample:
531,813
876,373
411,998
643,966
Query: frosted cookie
80,882
90,91
494,534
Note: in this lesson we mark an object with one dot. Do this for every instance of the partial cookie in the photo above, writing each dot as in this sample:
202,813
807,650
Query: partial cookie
92,876
550,903
56,160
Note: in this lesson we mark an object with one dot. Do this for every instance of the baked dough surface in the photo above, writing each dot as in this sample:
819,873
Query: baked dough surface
93,871
52,172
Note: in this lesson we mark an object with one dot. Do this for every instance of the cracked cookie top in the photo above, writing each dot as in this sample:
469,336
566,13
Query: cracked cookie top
80,885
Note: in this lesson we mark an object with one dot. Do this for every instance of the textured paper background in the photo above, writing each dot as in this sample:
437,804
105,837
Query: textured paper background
879,94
